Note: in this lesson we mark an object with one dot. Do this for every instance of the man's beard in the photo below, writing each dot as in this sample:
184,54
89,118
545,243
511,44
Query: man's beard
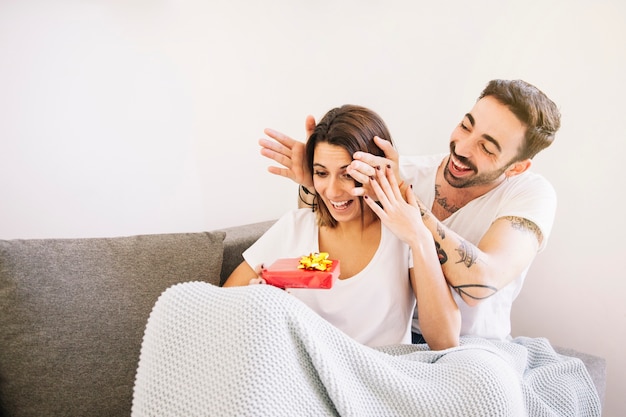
473,180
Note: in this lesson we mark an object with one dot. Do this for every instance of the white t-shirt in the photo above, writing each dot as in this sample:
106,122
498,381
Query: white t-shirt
374,307
527,195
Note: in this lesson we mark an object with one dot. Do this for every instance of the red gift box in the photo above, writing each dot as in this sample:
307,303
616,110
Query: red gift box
284,273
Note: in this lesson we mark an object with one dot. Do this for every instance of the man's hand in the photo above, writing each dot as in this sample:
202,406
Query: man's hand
365,166
289,153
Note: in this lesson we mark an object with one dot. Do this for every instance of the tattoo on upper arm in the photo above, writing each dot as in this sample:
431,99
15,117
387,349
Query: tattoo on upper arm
468,254
525,225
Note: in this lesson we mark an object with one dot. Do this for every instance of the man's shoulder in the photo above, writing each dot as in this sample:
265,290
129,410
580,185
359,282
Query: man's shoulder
533,181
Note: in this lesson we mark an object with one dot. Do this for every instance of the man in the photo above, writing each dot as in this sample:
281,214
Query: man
488,214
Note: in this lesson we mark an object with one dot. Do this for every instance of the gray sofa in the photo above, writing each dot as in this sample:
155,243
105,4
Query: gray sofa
73,311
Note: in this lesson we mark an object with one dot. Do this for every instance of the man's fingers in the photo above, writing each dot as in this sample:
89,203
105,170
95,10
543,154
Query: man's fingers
309,125
387,148
358,176
360,171
280,137
371,160
283,172
277,157
276,152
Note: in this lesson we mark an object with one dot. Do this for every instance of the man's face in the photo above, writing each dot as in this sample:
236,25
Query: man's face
484,145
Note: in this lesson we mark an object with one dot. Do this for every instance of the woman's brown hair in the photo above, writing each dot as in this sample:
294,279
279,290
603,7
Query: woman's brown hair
352,128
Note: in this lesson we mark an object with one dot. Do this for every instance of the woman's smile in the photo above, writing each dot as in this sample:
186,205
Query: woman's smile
341,205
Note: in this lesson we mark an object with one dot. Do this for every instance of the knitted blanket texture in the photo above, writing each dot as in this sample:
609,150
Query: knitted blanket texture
257,351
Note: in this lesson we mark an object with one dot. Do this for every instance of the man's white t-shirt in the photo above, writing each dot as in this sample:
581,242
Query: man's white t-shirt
528,195
374,307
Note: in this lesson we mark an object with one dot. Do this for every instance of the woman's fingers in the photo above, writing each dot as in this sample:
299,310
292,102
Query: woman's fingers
388,185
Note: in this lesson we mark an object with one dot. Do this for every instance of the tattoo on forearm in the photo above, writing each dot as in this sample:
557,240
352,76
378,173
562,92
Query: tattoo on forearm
461,289
525,225
443,256
423,210
467,252
441,231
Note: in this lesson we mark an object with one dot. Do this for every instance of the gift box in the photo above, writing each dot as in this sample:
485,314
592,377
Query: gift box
288,273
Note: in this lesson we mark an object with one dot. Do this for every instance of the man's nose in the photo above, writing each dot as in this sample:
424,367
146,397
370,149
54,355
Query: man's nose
463,147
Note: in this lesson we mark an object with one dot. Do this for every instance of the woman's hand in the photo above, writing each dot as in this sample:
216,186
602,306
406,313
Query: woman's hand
289,153
365,166
259,279
402,217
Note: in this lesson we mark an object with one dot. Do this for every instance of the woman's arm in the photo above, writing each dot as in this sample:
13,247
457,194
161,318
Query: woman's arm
440,317
243,275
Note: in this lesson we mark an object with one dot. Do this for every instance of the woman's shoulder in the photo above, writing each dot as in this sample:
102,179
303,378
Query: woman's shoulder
301,217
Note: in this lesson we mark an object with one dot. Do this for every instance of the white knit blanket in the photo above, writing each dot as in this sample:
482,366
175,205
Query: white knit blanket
257,351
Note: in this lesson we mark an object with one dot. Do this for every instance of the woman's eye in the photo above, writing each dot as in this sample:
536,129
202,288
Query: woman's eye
320,173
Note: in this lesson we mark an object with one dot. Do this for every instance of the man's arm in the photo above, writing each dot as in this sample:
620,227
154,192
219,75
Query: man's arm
476,272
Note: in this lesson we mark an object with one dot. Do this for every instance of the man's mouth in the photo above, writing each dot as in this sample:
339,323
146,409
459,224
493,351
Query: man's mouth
457,168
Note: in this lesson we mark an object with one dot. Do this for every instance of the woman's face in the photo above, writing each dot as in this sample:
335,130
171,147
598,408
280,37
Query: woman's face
333,184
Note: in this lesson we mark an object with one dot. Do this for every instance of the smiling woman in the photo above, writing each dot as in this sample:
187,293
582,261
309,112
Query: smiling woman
344,130
376,263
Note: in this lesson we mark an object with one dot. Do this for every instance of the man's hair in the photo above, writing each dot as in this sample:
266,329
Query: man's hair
352,128
533,108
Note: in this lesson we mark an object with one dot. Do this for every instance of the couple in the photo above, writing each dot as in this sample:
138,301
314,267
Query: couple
455,232
481,251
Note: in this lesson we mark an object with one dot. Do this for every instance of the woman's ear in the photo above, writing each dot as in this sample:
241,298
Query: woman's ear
518,168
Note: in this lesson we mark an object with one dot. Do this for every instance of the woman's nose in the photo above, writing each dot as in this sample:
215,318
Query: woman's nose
334,187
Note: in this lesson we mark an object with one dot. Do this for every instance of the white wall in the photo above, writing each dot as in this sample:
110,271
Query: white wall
126,117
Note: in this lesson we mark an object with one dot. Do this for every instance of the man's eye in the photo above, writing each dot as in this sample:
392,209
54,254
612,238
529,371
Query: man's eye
487,151
463,126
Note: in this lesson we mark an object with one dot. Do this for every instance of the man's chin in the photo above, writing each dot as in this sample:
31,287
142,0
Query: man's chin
456,182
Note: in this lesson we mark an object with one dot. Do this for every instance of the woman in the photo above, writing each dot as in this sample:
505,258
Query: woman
374,298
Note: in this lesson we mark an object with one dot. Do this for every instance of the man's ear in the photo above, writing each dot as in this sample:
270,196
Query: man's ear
518,167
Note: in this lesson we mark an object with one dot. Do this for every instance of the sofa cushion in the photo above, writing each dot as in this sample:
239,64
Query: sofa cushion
73,312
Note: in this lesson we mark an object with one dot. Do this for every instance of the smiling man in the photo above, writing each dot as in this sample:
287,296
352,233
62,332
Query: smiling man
488,213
